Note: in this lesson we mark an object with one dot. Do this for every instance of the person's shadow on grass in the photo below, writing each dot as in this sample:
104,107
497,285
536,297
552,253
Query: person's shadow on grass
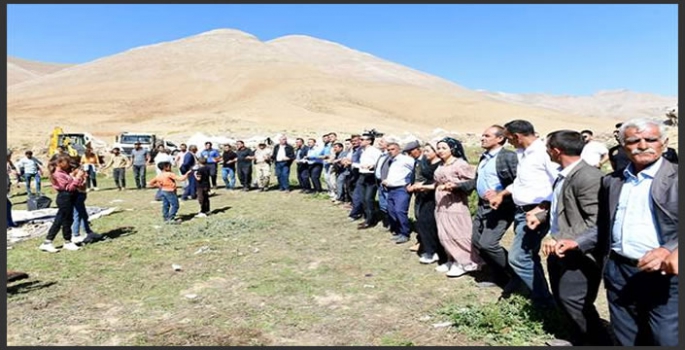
109,235
27,287
187,217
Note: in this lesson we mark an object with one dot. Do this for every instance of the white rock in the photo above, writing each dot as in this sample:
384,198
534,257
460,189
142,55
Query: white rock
176,267
442,324
191,296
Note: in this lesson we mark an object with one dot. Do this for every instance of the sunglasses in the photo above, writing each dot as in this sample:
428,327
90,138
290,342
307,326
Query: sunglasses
634,140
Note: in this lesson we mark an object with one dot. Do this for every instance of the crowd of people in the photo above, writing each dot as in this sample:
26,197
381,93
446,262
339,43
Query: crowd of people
620,226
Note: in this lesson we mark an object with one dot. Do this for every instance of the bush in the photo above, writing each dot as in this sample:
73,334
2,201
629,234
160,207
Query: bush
509,322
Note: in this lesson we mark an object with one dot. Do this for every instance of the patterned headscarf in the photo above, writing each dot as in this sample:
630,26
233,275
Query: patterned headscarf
456,147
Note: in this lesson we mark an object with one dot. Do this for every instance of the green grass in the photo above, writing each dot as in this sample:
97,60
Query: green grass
272,269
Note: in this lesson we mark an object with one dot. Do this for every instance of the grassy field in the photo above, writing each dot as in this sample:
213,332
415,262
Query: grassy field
267,268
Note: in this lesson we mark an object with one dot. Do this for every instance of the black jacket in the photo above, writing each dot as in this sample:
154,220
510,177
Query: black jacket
505,163
289,152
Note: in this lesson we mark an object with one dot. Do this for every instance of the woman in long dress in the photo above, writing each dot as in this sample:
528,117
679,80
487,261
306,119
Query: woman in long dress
452,209
423,189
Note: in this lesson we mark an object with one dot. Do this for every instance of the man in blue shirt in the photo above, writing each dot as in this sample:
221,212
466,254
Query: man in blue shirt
213,158
496,170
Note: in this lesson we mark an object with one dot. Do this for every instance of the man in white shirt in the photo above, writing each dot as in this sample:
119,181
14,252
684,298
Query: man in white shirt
400,171
30,168
531,192
594,153
367,180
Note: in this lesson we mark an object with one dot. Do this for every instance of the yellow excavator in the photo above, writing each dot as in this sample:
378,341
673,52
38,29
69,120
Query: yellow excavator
73,143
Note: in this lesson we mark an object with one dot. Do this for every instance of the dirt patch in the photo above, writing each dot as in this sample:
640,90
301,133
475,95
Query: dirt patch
185,335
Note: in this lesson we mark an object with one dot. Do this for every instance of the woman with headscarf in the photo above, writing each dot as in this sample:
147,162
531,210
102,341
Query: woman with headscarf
423,189
452,210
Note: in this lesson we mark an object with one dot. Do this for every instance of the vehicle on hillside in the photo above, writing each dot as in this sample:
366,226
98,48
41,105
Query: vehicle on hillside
126,140
75,143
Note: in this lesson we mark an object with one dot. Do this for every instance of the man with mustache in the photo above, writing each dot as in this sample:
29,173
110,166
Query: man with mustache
637,229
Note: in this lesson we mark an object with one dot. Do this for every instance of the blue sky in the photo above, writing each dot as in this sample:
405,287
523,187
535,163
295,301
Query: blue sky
559,49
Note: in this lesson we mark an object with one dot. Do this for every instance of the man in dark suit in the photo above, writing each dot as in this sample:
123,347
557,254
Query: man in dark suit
190,163
574,276
283,156
301,151
637,229
496,170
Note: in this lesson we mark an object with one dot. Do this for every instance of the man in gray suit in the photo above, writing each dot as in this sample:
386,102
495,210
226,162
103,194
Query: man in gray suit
637,229
574,276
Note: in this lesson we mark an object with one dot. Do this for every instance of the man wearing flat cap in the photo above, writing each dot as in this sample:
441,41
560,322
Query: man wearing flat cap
400,170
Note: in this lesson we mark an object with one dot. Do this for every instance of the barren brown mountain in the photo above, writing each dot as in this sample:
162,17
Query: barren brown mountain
20,70
229,82
623,104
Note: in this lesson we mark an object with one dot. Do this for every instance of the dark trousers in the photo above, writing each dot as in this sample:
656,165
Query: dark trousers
489,227
203,199
283,175
190,191
357,197
212,174
398,210
643,306
245,176
350,184
139,175
426,226
303,176
119,177
65,216
368,190
315,175
10,222
575,280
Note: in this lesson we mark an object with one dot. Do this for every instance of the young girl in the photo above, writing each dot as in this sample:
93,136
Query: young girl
166,182
81,213
90,162
66,186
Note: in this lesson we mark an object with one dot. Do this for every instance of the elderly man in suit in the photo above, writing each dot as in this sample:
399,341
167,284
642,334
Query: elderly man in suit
574,276
637,229
283,156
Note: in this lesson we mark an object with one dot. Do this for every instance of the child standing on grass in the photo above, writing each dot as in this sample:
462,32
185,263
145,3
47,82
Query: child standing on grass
203,175
81,213
166,182
66,186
